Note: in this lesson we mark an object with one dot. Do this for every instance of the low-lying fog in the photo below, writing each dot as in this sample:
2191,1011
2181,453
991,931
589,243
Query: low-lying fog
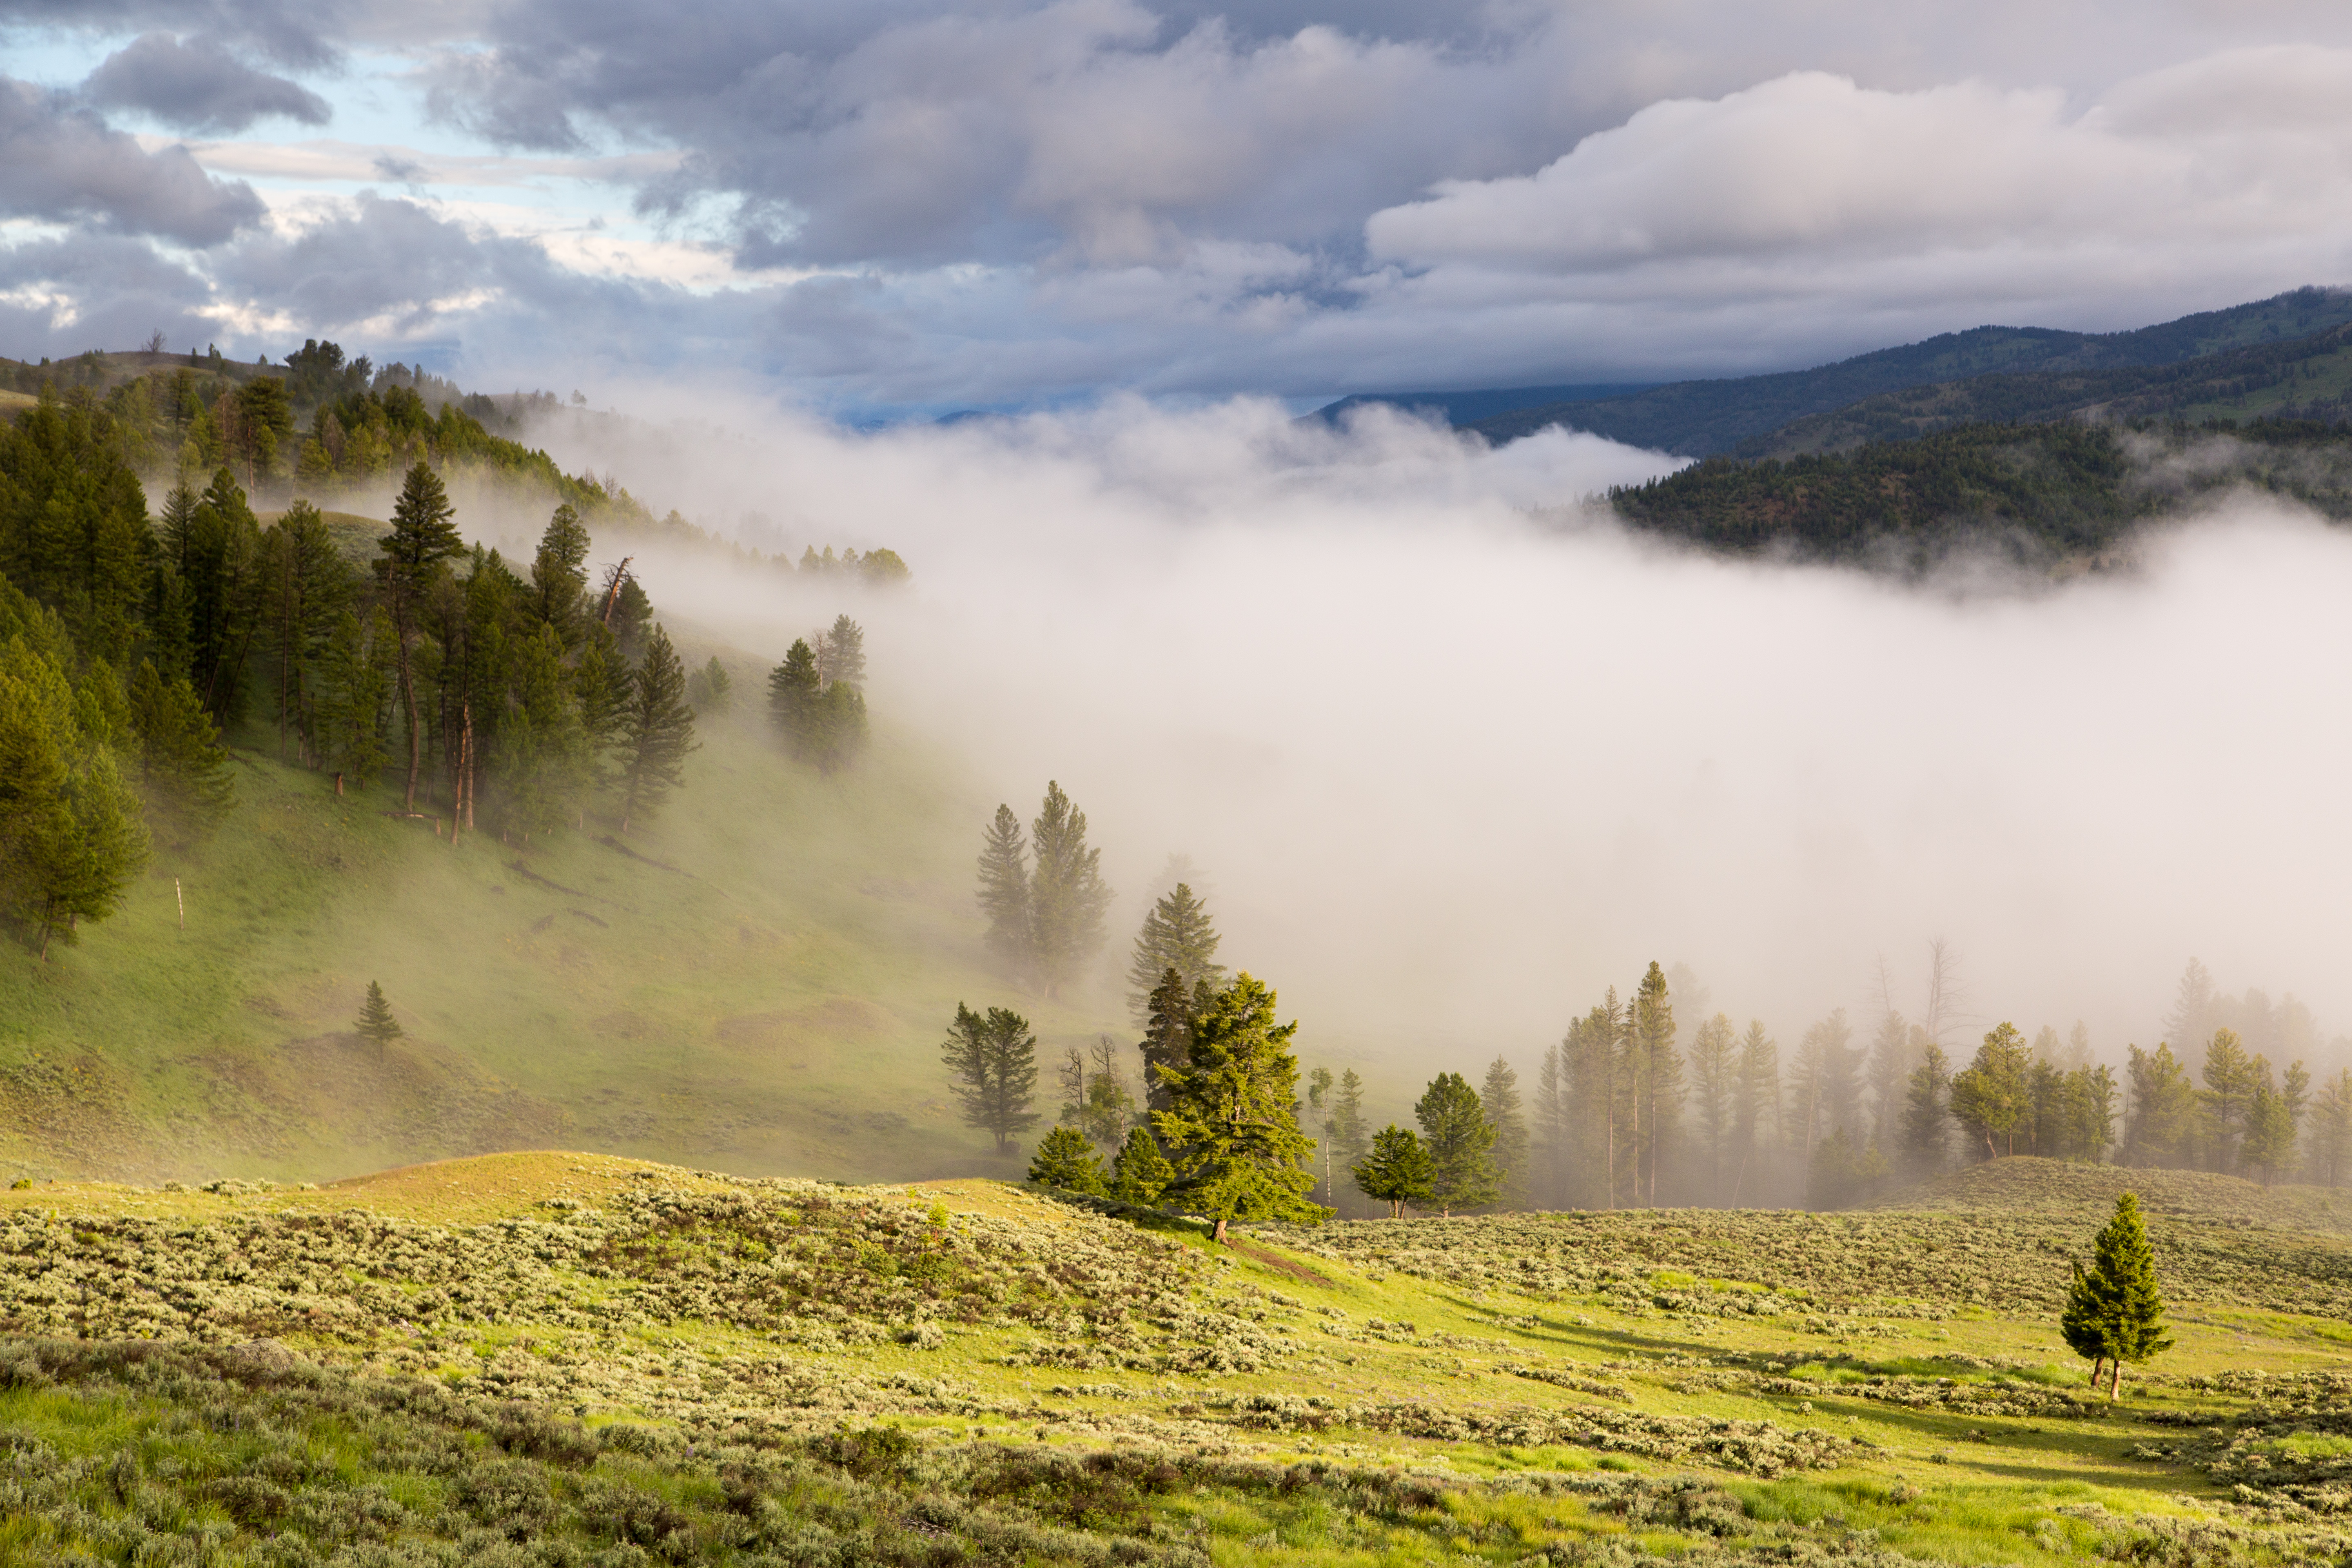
1453,764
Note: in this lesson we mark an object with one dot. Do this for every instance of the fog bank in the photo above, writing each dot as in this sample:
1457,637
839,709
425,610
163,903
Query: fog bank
1454,763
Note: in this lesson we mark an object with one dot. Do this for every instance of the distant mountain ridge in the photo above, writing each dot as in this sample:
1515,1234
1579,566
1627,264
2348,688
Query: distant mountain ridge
1710,417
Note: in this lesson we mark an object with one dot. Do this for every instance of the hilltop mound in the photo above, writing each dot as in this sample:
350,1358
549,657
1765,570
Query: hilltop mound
2024,1186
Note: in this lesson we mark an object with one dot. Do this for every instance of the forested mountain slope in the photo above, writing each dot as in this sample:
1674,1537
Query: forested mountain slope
2037,493
1701,418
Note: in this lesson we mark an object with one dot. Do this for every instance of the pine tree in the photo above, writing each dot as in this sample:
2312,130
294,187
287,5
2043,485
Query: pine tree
1498,1101
1141,1172
421,539
539,751
1232,1129
1460,1142
1555,1122
1992,1098
2160,1124
1178,934
559,576
992,1058
1926,1118
841,730
841,653
2268,1148
1068,896
1004,890
796,702
711,689
305,586
2331,1130
182,766
375,1022
2082,1323
353,683
657,732
1396,1171
1756,1110
1064,1159
2229,1077
1657,1077
1713,1069
2123,1298
1345,1133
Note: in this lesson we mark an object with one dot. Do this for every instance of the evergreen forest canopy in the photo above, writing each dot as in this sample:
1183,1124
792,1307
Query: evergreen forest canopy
510,697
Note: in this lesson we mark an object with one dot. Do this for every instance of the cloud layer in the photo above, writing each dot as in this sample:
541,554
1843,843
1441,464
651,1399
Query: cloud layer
1454,766
915,203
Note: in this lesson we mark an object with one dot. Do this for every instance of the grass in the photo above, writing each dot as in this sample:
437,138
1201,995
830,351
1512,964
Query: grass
1122,1392
757,978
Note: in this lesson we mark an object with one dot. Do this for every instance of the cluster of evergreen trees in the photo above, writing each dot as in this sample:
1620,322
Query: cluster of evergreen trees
817,695
1043,894
328,427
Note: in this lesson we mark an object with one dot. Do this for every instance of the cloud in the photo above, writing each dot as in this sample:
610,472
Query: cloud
196,85
62,162
1454,767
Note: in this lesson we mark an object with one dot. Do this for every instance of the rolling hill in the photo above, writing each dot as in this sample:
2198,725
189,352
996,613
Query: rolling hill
544,1358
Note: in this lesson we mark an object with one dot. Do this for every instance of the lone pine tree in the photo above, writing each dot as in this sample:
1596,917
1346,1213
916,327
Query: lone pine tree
1004,887
2115,1310
1068,896
375,1022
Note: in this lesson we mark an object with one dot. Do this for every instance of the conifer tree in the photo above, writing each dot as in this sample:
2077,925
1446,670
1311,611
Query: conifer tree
657,731
375,1022
1168,1035
991,1059
1345,1133
1231,1129
2268,1147
1992,1098
1927,1116
2162,1130
539,749
559,575
1004,889
1498,1101
841,653
2120,1296
182,766
2230,1077
1177,934
355,681
1064,1159
1453,1128
1712,1070
421,539
796,701
1396,1171
1657,1077
1068,896
305,586
2331,1130
711,689
1141,1172
600,686
1757,1106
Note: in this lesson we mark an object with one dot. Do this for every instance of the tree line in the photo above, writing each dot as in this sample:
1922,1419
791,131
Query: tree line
505,697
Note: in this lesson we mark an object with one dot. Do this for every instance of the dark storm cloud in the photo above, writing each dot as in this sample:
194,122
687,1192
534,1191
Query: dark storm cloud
290,32
195,85
62,162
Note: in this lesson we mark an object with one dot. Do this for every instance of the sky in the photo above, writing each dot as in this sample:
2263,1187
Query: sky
909,206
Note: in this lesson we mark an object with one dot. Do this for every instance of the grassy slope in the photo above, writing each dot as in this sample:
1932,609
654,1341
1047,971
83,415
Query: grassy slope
769,996
1819,1387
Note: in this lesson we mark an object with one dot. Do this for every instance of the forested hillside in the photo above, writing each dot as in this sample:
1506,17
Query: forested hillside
2034,493
1704,419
